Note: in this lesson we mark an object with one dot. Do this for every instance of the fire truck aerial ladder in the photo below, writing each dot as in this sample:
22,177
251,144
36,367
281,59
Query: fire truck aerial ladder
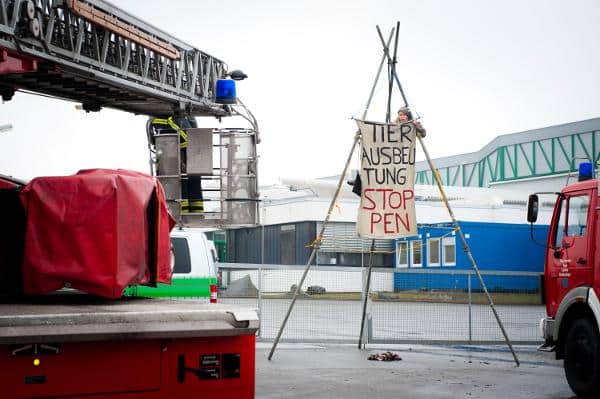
97,54
94,53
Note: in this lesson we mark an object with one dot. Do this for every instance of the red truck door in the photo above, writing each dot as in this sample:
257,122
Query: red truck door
569,257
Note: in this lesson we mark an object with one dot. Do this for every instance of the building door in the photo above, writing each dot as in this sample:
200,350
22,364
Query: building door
288,244
569,257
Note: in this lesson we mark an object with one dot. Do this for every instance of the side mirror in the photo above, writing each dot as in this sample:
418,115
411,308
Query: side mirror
532,208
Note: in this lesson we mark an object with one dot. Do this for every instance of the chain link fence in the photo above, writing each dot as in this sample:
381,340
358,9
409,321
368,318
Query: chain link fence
404,305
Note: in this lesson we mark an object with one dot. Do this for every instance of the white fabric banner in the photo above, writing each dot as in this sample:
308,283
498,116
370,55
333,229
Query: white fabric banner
387,174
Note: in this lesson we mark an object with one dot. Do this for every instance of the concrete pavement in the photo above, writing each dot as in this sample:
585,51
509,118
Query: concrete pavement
342,371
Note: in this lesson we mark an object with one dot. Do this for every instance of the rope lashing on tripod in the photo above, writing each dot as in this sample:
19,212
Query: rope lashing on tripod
338,207
316,243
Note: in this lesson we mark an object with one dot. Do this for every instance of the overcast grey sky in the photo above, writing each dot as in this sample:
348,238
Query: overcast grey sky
472,70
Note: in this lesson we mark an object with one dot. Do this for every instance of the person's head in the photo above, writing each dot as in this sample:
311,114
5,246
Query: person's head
404,114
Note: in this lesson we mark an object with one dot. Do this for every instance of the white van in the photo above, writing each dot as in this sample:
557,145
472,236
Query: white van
194,271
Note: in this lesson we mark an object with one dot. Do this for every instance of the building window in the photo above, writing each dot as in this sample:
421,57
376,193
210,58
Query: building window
350,259
433,252
415,252
288,244
354,259
449,251
401,254
326,258
383,260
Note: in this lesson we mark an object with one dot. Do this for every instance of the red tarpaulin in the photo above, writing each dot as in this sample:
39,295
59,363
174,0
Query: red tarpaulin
97,231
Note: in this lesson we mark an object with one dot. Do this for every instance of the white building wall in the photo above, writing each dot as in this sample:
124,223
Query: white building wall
280,205
539,184
488,210
281,281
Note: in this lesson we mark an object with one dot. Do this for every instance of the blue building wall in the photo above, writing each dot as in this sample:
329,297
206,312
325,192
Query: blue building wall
495,247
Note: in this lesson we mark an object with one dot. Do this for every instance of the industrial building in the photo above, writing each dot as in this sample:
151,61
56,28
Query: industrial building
501,247
487,189
533,160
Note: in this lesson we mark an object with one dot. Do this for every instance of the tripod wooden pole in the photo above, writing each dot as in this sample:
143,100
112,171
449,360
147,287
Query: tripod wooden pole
316,245
366,298
467,249
391,73
377,76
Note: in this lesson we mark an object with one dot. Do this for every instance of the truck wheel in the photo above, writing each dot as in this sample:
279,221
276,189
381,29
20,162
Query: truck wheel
582,358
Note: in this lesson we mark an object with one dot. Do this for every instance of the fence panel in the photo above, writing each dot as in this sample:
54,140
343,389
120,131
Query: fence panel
405,305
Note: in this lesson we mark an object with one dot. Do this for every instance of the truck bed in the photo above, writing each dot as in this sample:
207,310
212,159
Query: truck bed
80,318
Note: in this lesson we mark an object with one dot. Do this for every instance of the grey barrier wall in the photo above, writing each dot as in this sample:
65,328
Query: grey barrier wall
404,305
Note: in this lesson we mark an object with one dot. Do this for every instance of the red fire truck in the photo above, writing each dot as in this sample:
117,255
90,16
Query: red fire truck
69,344
572,282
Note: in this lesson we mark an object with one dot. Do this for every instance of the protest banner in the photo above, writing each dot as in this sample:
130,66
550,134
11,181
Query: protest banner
387,174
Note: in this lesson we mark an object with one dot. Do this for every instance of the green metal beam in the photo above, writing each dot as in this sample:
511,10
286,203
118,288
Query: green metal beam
550,166
471,175
455,176
531,169
502,163
587,154
562,148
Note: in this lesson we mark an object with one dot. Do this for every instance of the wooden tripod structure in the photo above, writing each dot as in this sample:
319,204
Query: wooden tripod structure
392,77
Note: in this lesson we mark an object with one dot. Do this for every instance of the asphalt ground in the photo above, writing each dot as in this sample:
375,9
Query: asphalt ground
343,371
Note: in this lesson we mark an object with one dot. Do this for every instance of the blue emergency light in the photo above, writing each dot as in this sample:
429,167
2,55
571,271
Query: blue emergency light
225,92
586,171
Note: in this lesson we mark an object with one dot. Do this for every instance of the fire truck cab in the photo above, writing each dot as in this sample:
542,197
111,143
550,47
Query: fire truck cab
572,282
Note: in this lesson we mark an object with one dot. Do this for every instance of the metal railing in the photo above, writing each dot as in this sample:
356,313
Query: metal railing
435,305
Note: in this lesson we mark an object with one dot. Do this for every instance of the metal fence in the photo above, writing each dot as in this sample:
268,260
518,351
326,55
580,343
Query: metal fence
404,306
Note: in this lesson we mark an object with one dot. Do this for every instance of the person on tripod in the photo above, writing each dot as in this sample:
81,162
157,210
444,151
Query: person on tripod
405,116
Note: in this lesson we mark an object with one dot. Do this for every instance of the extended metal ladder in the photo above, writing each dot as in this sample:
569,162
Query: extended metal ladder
92,52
